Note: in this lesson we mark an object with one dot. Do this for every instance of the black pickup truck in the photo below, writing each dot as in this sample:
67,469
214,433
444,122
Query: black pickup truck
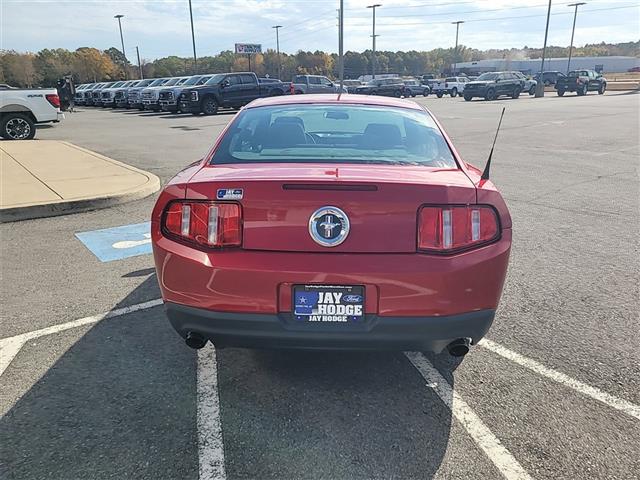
581,82
227,90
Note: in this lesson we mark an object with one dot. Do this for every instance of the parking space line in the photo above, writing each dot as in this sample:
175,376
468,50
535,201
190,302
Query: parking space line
10,346
210,446
486,440
593,392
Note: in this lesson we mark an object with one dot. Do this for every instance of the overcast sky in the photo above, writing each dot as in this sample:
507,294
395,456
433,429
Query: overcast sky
161,27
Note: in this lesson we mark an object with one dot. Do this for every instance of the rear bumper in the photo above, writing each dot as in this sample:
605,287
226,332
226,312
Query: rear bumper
281,331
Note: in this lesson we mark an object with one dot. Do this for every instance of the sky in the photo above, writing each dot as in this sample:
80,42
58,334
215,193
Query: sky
161,27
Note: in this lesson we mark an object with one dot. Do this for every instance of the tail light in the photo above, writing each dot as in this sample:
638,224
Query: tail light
452,228
53,99
291,88
209,224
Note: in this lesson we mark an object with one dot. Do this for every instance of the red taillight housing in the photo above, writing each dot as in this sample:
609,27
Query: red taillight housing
453,228
209,224
53,99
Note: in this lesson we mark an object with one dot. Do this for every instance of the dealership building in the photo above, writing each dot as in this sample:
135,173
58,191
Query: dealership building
615,64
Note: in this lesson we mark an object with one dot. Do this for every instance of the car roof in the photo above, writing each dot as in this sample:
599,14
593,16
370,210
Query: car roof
342,99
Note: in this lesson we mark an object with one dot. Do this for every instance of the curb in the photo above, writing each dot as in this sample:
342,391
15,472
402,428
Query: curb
65,207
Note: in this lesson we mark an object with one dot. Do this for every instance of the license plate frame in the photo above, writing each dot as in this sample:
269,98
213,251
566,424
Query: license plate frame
328,304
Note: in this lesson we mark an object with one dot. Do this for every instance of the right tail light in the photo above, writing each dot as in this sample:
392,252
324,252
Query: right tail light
454,228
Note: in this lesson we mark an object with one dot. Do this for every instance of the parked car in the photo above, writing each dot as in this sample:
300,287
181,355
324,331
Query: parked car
255,246
150,95
22,109
81,90
528,84
634,69
581,82
134,94
492,85
414,87
97,93
168,97
226,90
120,95
107,95
313,84
388,87
549,77
452,86
351,85
93,92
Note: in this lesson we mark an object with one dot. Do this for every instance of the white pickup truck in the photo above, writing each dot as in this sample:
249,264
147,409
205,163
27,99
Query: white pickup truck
22,109
453,86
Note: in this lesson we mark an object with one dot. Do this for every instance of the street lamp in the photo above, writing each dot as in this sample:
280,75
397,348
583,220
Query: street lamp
373,63
193,40
124,54
278,27
573,30
540,85
455,59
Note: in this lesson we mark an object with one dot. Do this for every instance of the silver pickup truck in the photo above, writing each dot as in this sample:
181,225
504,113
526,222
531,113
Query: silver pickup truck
314,84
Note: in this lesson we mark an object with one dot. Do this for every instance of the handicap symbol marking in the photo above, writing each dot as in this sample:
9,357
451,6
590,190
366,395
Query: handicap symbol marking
116,243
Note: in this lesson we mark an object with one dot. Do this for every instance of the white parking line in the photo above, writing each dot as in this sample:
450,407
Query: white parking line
9,347
593,392
210,446
486,440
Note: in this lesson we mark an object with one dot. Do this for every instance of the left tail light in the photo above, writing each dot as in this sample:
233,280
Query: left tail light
208,224
453,228
53,99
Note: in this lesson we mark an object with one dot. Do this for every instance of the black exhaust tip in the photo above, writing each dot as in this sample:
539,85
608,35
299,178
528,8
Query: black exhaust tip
195,340
459,347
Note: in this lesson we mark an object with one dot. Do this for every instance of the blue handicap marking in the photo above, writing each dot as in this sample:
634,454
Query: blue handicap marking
117,243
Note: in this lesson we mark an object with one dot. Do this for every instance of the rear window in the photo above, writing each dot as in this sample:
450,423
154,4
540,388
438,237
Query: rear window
334,134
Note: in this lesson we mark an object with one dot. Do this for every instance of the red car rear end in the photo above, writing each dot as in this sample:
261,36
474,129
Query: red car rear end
332,222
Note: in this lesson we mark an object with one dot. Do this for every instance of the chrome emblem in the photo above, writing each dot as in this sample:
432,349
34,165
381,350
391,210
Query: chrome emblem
329,226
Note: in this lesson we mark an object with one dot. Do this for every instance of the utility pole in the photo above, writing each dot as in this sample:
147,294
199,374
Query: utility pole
573,30
278,27
139,64
455,58
540,85
341,46
124,54
373,63
193,40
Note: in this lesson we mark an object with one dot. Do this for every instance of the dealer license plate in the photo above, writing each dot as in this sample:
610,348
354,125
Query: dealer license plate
328,303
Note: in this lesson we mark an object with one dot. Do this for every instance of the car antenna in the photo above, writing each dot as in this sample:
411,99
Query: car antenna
485,174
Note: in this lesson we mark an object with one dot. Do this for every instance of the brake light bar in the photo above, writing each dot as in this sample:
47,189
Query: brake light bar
453,228
209,224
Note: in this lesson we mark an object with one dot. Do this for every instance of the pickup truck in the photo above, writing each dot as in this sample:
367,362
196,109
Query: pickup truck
21,110
168,97
450,86
313,84
150,95
226,90
581,82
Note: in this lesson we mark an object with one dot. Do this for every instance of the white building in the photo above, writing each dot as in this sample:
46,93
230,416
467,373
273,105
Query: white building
611,64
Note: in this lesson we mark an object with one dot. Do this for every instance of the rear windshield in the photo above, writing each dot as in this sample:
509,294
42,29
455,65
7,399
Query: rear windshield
334,134
579,73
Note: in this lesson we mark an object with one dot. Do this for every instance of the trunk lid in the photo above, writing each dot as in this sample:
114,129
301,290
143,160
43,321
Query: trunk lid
382,202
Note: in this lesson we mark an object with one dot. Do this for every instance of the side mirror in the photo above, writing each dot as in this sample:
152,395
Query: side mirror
225,84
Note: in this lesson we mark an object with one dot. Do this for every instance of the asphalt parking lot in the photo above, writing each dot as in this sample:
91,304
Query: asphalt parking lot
97,385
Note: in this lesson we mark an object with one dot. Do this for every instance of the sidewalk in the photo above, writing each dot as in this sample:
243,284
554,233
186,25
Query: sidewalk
43,178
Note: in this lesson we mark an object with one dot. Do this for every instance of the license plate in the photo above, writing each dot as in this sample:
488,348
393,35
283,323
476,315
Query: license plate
328,303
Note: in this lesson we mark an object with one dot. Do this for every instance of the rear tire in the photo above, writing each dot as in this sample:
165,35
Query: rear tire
467,98
17,126
454,92
532,90
560,92
439,94
426,92
397,93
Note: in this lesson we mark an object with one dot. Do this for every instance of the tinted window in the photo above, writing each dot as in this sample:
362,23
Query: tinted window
233,79
488,76
300,79
314,80
450,79
215,79
334,134
325,81
250,79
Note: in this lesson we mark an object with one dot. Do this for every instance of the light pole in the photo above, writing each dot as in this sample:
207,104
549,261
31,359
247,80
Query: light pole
455,58
373,62
573,30
126,73
193,40
540,85
278,27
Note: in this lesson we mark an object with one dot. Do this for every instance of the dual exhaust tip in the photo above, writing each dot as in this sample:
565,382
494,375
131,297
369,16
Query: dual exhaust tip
457,348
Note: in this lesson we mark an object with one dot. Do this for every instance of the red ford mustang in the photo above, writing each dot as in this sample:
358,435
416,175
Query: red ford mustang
332,221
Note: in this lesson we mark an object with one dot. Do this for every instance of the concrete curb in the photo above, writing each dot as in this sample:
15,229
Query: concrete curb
65,207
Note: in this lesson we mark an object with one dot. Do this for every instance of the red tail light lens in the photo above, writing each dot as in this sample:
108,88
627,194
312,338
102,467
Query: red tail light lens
210,224
452,228
53,99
